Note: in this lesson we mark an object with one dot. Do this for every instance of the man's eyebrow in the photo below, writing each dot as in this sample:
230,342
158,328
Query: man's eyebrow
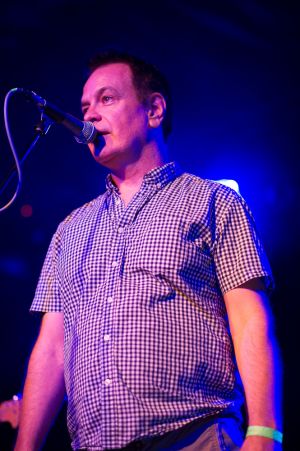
98,93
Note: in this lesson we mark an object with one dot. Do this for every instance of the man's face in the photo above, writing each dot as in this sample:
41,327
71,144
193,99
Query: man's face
111,102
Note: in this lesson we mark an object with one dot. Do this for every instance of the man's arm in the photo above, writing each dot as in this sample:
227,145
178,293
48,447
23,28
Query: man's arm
257,358
44,385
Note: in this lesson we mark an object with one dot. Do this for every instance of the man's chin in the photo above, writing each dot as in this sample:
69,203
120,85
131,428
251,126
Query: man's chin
104,156
97,146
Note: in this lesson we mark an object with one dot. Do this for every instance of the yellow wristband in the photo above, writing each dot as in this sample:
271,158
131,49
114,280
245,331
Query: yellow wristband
263,431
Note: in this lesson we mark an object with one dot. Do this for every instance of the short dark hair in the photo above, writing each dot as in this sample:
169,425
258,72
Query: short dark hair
146,79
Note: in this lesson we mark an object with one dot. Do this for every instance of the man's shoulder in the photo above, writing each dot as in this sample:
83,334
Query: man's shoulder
198,194
82,214
207,187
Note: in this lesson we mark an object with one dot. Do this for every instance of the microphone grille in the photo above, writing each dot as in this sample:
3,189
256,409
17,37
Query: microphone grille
88,133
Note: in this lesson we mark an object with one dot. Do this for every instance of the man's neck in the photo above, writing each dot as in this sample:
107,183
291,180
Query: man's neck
130,178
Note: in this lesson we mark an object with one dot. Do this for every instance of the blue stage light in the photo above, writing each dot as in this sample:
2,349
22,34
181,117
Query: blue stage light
231,183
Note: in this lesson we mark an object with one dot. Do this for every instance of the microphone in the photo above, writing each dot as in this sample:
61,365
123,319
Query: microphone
83,131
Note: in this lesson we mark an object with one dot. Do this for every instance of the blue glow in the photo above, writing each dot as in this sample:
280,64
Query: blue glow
13,266
231,183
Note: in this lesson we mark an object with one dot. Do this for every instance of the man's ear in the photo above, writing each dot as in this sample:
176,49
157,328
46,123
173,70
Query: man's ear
157,109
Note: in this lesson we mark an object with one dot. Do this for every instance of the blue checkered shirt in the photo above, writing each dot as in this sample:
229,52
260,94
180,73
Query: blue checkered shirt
147,347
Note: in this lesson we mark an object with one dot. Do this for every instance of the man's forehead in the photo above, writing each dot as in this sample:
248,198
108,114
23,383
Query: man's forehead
112,74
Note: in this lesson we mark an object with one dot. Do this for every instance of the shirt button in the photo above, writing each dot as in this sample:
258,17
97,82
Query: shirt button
107,381
118,201
106,337
110,299
121,229
114,264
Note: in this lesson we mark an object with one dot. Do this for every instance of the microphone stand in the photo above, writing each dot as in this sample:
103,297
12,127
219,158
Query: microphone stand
41,128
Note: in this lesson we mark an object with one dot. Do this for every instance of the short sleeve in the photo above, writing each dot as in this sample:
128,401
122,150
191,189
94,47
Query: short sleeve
47,296
238,251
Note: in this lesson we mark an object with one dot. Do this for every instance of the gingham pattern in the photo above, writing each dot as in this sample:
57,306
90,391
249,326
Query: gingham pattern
147,347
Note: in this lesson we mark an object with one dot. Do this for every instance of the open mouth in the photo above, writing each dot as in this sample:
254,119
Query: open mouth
102,132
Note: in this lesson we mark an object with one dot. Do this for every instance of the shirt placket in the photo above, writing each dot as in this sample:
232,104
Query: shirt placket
109,377
112,387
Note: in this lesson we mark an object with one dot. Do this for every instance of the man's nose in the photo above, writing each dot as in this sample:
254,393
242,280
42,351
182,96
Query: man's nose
92,115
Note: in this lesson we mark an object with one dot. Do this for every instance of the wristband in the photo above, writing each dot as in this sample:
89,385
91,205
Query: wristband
263,431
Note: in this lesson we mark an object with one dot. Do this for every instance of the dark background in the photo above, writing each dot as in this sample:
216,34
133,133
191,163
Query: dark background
234,72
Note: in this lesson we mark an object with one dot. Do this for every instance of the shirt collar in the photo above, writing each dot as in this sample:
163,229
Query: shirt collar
158,177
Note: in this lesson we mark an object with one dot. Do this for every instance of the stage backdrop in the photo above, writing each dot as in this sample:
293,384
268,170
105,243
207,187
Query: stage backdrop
234,73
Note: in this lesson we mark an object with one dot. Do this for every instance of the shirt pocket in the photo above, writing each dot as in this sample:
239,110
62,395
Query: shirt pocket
168,245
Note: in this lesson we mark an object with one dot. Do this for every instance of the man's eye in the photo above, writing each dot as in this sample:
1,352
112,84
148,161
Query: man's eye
107,99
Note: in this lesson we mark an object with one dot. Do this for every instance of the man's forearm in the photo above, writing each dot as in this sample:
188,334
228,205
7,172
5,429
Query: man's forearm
44,385
43,395
258,360
260,368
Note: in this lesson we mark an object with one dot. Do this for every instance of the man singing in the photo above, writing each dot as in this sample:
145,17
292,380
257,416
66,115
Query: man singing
154,296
